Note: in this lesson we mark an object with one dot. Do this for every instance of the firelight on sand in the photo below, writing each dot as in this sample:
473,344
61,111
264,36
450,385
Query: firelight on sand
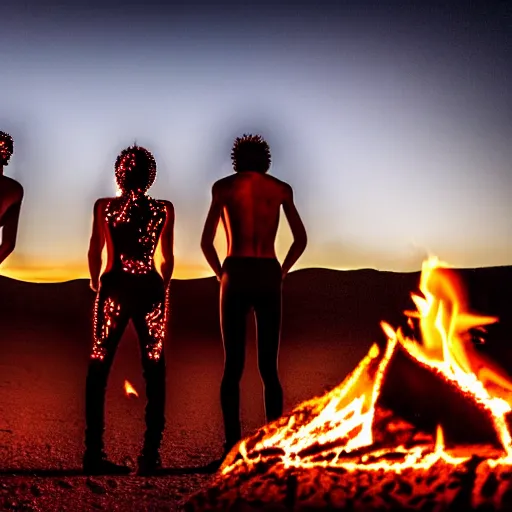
337,429
130,390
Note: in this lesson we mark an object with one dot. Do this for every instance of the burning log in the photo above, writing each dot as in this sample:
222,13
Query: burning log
426,399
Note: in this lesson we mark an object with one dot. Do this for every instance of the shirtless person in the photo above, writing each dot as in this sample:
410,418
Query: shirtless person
131,225
11,196
248,203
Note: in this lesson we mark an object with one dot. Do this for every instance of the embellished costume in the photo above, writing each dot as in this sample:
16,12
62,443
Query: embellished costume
134,225
131,288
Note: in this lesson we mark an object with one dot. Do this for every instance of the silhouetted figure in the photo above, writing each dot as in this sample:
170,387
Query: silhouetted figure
248,203
11,196
131,225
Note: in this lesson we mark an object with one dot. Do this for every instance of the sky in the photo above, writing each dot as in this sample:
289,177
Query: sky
391,120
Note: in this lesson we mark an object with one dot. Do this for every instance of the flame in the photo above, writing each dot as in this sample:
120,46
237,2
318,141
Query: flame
130,390
333,429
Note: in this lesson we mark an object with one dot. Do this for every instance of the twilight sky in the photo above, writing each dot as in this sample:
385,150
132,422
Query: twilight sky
391,120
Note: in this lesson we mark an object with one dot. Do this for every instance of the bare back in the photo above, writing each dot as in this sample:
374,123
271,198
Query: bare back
11,196
11,193
251,203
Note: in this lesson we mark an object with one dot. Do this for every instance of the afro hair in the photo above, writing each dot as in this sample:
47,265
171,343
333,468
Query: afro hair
135,169
250,153
8,141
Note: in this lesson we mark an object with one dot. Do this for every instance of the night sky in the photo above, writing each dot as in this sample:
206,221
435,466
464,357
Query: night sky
391,120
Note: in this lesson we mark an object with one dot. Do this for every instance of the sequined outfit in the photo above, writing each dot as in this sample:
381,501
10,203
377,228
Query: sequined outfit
130,289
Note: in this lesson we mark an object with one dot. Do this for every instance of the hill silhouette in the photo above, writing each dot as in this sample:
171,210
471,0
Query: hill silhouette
317,303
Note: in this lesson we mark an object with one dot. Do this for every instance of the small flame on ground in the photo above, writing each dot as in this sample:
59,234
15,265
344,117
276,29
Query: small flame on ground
439,440
130,390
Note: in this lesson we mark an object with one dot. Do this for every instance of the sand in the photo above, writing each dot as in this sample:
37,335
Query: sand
330,320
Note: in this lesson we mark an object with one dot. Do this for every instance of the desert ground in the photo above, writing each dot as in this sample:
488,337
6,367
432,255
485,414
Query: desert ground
330,320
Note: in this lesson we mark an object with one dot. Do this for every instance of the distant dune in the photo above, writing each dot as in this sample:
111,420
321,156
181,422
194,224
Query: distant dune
319,304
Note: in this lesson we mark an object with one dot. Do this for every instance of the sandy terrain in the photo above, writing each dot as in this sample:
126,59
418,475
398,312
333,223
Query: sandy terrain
330,320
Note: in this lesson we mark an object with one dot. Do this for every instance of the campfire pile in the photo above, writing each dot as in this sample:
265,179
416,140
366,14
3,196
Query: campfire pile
418,425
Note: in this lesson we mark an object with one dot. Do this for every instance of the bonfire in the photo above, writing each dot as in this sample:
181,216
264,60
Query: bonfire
422,423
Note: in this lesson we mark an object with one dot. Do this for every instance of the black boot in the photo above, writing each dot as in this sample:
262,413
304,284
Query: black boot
96,463
149,463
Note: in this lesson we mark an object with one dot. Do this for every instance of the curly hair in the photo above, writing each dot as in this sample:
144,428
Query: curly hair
135,169
251,153
8,141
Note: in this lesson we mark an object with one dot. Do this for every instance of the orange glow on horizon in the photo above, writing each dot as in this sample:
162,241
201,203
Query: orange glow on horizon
62,273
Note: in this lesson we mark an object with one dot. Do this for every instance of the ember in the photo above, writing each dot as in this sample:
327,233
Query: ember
130,390
412,414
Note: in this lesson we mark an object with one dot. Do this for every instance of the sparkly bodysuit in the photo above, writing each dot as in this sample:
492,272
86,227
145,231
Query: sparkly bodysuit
135,224
131,288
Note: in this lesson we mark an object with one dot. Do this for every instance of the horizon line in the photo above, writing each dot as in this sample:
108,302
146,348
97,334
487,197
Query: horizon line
36,277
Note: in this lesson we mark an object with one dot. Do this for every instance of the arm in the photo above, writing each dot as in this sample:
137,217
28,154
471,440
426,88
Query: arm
167,241
96,244
12,194
209,230
300,238
9,223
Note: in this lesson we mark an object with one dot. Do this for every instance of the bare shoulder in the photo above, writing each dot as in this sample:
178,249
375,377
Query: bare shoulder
168,206
284,189
101,204
13,189
166,203
223,182
222,185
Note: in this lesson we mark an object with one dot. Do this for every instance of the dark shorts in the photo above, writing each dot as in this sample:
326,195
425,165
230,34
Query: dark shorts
252,276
